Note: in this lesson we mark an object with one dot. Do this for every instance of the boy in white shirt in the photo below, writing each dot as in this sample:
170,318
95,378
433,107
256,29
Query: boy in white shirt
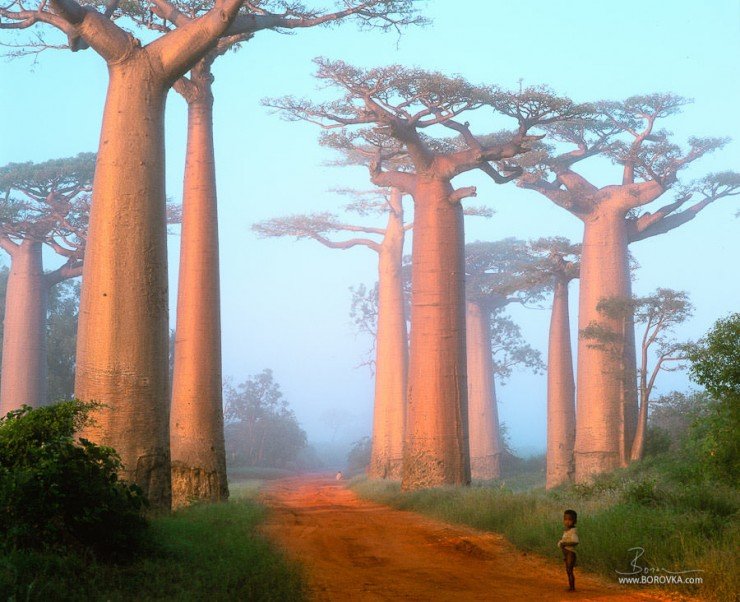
568,543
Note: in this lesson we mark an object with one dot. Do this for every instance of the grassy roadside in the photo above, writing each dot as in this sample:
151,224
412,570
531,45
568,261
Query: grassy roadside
680,526
206,552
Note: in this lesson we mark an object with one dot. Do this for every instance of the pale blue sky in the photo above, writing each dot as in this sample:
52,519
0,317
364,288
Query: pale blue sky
285,303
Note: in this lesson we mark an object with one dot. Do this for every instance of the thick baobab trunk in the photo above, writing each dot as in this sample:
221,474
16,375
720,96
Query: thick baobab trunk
436,447
483,424
561,392
391,347
123,331
196,412
606,367
24,359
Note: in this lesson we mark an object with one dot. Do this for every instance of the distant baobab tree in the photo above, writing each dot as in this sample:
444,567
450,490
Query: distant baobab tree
391,349
497,274
43,204
123,333
556,262
397,108
624,132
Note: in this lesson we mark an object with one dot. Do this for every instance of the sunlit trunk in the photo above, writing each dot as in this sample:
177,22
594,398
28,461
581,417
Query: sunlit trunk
638,444
606,368
196,413
483,423
24,359
436,448
391,360
123,331
561,410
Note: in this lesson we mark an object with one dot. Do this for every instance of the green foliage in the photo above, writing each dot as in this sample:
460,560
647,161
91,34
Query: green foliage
657,441
261,429
358,457
715,364
205,552
509,349
715,361
58,492
61,340
714,440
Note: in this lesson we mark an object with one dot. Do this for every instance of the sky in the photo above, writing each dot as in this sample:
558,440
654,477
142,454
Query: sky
285,303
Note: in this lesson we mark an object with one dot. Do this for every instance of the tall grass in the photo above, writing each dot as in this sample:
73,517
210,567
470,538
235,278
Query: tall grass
680,526
205,552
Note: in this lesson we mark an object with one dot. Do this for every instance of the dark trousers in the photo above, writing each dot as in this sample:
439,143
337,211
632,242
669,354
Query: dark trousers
570,561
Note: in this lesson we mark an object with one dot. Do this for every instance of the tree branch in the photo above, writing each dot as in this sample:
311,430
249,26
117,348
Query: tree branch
96,30
463,193
179,49
71,269
347,244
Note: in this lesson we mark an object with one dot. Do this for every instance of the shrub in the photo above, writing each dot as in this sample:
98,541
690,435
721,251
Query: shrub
358,457
59,492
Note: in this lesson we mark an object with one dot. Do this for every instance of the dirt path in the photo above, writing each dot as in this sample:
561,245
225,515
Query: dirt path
356,550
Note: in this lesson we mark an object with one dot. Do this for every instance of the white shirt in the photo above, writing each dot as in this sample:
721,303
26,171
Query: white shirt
569,539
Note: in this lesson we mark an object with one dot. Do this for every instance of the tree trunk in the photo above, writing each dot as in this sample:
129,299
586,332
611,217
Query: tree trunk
561,393
24,359
123,331
638,444
606,369
436,447
630,399
483,423
196,413
391,348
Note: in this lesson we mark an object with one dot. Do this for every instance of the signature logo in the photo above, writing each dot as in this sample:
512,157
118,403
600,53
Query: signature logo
638,569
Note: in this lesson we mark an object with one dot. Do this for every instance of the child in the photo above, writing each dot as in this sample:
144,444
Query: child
567,543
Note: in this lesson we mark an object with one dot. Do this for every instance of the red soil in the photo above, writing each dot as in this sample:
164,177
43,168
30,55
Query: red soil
352,549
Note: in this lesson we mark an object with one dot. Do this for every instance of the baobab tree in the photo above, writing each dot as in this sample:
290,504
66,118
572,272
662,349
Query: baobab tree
196,419
557,263
658,313
122,344
497,274
402,105
391,348
613,217
122,339
44,204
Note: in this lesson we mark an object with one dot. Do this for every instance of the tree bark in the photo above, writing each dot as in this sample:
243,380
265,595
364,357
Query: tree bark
483,424
561,392
638,444
391,360
606,370
196,412
436,448
123,331
630,422
24,342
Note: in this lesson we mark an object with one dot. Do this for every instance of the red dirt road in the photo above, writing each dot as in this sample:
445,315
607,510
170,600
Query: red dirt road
356,550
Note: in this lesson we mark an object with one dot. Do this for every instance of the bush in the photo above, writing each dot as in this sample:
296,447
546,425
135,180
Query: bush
715,364
657,441
57,492
358,457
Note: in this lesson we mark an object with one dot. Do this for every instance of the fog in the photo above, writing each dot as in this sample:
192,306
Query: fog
285,303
